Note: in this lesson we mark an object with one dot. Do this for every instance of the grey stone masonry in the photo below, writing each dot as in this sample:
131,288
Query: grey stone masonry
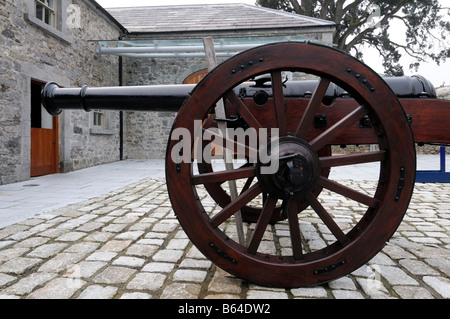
147,133
34,51
127,244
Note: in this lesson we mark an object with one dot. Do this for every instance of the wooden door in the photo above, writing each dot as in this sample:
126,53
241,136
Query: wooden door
44,137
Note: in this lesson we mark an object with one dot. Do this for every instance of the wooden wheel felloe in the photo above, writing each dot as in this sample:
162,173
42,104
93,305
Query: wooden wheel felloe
295,259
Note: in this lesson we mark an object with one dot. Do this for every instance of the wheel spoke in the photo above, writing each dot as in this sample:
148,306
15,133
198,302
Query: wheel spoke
329,135
261,225
326,218
294,229
242,109
241,149
264,197
348,192
311,110
352,159
247,184
223,176
235,205
278,98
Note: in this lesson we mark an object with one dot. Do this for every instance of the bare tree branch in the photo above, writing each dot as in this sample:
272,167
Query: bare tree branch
355,26
297,7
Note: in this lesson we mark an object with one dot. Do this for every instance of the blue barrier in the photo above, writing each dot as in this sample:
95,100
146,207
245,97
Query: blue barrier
437,176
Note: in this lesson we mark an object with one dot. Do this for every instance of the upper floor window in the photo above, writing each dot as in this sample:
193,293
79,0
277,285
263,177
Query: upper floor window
50,16
46,11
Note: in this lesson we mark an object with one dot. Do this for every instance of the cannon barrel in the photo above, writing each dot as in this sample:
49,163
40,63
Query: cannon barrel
129,98
170,98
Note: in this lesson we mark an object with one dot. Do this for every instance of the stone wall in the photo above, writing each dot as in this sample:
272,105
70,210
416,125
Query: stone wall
32,51
146,133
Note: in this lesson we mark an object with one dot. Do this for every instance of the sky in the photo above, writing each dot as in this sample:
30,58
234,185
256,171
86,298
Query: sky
438,75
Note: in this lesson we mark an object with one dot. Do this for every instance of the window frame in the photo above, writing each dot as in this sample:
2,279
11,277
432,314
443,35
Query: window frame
59,28
105,127
52,10
98,116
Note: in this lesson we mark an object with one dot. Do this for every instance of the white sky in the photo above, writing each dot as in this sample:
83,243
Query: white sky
436,74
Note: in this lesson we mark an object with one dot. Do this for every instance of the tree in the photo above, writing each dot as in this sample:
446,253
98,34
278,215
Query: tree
363,23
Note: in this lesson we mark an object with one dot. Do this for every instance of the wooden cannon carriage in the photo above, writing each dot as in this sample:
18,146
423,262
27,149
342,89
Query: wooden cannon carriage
345,103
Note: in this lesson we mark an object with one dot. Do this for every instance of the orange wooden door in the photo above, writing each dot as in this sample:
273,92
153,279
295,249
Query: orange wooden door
44,150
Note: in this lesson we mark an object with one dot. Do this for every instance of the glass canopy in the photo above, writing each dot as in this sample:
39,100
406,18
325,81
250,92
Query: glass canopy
187,48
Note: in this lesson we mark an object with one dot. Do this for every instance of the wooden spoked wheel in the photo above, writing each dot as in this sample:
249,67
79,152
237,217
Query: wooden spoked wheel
250,213
287,254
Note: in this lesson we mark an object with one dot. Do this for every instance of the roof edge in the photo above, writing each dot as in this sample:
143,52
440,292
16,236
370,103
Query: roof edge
108,15
290,14
227,33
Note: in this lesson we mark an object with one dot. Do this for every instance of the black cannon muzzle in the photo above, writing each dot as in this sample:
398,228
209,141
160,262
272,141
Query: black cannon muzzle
167,98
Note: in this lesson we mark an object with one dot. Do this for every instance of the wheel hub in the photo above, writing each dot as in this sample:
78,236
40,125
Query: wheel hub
298,168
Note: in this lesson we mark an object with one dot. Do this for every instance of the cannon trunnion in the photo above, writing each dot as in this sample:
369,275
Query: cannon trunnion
280,145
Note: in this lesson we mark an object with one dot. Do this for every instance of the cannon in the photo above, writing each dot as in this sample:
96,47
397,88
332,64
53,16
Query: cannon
343,102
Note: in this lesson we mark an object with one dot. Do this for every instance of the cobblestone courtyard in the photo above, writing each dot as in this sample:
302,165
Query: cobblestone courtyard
128,244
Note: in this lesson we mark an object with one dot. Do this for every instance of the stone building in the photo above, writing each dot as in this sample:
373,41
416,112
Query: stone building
51,40
146,133
42,41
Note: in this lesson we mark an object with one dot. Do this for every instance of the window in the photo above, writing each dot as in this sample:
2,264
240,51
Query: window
99,119
46,11
101,123
49,16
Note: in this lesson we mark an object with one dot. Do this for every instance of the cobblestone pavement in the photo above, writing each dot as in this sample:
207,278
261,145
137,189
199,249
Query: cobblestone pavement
128,244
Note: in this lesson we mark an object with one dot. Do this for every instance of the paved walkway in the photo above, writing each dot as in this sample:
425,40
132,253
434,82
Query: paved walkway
44,194
109,232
